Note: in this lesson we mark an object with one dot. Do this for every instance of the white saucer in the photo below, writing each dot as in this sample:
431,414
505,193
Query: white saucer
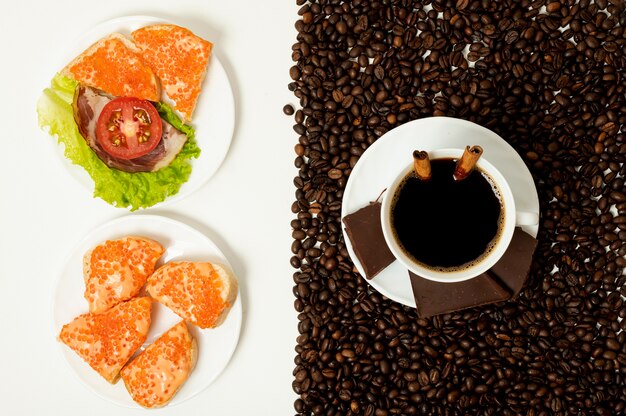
379,165
181,242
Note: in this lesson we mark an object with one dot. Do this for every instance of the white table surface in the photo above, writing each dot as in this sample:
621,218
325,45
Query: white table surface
244,208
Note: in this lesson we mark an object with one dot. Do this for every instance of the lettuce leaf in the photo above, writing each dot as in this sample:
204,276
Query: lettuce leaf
121,189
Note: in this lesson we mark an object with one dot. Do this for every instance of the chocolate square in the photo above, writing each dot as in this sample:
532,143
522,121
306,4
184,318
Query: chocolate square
434,298
368,242
502,282
513,267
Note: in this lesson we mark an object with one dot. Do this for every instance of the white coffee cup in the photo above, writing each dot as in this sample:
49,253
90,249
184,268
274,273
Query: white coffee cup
511,219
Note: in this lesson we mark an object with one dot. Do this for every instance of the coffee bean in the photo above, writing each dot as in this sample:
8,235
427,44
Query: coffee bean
288,109
555,94
456,101
618,196
294,73
434,376
423,378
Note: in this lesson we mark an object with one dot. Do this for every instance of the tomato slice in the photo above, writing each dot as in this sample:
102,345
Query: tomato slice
128,128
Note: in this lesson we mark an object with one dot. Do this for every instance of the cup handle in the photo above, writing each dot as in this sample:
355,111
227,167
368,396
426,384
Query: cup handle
526,218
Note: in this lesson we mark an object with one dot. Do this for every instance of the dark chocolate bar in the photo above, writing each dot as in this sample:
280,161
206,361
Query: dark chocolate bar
368,242
502,282
434,298
513,267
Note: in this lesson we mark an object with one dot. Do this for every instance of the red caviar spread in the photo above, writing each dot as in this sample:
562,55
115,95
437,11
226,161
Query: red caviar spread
106,341
115,69
154,376
179,58
194,291
116,270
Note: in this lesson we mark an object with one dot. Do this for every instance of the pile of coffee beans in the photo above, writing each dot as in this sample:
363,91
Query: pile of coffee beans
550,78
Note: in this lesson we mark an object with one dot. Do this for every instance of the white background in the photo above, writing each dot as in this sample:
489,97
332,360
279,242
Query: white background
244,208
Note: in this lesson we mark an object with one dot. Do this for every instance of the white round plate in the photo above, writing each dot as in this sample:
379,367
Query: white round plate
213,118
380,164
215,346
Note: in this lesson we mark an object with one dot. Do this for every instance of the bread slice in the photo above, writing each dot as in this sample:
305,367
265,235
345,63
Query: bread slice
114,65
200,293
116,270
107,341
180,60
153,377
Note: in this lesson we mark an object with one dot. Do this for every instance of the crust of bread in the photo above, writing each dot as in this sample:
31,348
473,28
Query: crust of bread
116,378
87,265
194,352
93,48
229,294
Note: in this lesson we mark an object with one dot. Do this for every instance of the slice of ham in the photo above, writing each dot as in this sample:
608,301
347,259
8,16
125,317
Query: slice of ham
88,104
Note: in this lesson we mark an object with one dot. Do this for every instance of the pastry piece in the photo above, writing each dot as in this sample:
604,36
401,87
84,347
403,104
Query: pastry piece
116,270
179,58
114,66
368,242
200,293
155,375
107,341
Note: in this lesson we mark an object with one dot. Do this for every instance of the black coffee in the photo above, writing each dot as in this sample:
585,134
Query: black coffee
443,223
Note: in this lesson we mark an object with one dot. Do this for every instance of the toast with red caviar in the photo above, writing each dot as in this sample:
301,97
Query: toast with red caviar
106,341
180,60
113,64
116,270
200,293
155,375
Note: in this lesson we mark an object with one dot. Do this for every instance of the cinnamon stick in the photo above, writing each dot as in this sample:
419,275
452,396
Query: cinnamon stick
466,163
421,165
